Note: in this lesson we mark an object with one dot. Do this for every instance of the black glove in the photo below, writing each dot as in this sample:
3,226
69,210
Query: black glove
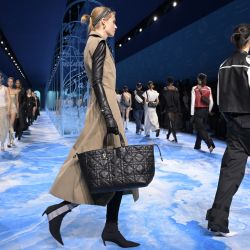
97,74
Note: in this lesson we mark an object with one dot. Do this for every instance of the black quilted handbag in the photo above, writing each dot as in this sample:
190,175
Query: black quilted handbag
118,169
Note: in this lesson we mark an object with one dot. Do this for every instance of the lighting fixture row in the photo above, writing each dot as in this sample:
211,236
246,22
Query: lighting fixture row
139,29
12,57
54,69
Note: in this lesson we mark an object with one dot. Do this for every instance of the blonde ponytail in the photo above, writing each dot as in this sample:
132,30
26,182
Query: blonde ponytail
96,12
87,19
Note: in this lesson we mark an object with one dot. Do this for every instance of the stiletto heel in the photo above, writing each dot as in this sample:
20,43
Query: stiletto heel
112,234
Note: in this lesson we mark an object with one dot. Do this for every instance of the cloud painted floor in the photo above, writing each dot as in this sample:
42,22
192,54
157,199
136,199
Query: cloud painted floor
170,213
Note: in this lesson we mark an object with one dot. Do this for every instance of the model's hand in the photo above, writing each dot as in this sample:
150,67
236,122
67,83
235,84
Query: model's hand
112,127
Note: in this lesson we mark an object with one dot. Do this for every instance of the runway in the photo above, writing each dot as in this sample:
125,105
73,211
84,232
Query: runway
170,213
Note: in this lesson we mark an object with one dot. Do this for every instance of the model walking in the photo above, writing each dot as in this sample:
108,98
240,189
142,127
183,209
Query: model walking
13,110
201,105
102,117
4,112
151,122
234,103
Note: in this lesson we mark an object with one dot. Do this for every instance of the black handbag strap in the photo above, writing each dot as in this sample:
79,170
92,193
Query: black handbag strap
159,151
105,140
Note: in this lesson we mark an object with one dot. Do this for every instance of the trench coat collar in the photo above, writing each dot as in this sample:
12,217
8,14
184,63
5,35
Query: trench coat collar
96,34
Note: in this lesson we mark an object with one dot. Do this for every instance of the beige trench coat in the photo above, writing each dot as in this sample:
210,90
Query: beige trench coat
69,185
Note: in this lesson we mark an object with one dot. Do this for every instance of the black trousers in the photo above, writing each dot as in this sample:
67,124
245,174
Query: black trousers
232,172
138,114
200,121
113,208
172,124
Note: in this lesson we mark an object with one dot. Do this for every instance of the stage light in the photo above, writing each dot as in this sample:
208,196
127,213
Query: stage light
140,29
129,38
1,42
11,58
9,53
5,48
155,18
174,4
120,45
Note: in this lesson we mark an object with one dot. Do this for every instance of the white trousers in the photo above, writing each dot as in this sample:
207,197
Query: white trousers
151,121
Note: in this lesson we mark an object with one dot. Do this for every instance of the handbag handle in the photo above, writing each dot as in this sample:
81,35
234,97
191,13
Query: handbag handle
105,140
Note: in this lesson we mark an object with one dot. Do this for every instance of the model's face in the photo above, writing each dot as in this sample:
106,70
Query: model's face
10,83
110,25
18,84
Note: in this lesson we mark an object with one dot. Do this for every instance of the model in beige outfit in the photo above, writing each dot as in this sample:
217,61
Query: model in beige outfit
4,112
13,93
102,117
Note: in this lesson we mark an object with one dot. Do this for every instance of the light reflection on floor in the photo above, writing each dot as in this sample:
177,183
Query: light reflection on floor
169,215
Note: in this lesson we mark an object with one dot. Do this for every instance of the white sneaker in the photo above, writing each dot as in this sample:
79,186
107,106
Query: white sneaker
230,234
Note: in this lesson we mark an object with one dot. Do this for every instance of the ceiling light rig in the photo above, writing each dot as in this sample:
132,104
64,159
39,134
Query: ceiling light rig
9,52
148,21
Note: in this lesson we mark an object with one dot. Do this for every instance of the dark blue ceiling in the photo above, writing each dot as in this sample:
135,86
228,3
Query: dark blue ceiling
32,27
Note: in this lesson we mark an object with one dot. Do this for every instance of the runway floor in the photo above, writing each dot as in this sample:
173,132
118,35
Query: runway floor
170,213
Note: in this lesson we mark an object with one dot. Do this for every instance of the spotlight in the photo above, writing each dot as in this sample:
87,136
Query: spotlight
174,4
11,58
1,42
155,18
140,30
129,38
14,61
120,45
9,53
5,48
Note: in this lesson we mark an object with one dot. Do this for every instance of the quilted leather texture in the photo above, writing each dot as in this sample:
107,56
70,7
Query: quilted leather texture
125,168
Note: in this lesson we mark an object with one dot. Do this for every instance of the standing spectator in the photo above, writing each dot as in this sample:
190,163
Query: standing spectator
201,105
186,112
151,122
233,98
138,108
171,107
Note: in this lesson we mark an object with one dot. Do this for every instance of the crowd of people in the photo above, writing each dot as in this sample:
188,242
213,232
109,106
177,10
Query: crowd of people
150,106
18,109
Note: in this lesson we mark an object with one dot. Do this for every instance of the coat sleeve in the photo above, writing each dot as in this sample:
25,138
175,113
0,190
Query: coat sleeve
97,75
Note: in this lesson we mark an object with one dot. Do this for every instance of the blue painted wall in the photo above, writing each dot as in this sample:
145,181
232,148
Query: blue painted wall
199,47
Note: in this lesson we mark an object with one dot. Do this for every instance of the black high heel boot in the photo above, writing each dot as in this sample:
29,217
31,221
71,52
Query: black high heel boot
112,234
55,214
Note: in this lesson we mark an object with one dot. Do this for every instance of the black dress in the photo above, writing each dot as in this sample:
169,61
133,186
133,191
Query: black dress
171,106
31,102
21,121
